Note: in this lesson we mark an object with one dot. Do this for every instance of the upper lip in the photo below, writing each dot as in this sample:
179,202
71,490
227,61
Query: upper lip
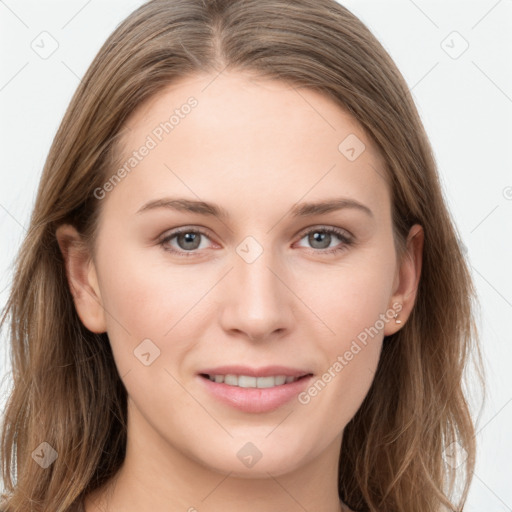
264,371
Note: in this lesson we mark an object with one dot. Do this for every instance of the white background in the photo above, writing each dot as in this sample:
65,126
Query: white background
465,104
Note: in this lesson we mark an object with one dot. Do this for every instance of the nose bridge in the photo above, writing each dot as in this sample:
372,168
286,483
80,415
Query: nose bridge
256,301
258,284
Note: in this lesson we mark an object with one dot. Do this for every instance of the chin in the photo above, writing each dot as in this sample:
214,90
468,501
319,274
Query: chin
244,458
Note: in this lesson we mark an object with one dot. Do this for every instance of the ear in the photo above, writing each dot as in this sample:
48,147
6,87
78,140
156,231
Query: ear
82,278
407,279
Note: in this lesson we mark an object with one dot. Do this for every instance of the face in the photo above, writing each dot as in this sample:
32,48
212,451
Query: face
212,262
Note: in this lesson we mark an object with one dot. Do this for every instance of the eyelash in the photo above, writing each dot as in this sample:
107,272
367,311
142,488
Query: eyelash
346,240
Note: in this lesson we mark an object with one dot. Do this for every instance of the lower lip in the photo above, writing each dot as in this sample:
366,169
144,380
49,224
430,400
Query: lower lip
255,400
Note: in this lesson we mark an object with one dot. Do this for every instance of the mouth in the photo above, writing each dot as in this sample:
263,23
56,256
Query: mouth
253,390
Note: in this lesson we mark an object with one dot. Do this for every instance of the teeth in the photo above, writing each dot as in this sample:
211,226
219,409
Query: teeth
247,381
231,380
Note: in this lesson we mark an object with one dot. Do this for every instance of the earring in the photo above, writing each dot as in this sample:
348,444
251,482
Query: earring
397,321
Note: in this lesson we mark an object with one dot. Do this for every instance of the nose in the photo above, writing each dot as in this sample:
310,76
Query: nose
256,301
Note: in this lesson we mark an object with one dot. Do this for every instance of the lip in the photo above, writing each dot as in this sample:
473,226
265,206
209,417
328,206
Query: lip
264,371
255,400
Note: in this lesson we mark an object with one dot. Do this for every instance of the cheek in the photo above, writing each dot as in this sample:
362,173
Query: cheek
149,298
350,356
353,301
350,297
144,301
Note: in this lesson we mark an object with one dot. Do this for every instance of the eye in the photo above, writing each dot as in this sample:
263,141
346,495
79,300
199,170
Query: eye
188,241
321,237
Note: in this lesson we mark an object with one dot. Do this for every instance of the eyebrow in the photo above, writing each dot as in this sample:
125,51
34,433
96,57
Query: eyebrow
211,209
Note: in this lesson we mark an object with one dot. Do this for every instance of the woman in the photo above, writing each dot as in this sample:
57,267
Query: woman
180,340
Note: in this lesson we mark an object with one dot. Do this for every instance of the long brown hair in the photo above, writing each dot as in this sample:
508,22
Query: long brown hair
66,389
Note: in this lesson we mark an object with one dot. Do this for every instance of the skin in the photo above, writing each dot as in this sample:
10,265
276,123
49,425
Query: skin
255,147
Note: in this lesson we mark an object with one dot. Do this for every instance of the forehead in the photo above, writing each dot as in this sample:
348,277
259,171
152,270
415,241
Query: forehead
244,101
234,131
